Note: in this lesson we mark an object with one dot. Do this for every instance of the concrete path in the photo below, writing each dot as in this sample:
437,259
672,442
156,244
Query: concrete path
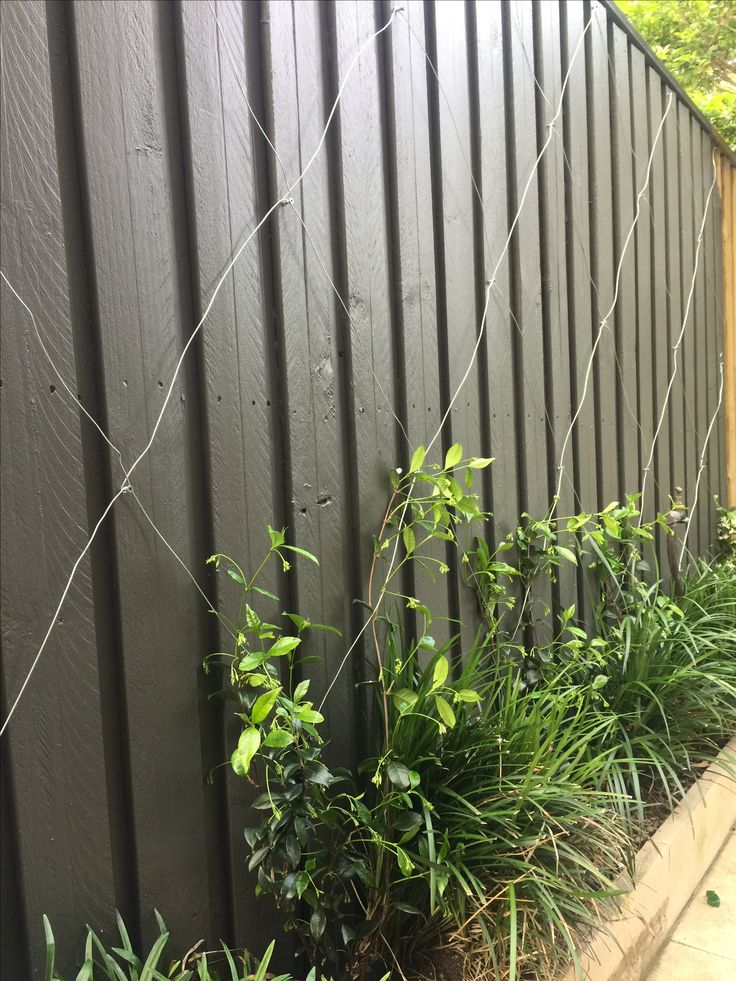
703,944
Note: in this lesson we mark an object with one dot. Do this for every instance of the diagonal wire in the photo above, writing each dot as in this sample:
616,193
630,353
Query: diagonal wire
115,450
481,331
701,468
125,485
676,347
296,211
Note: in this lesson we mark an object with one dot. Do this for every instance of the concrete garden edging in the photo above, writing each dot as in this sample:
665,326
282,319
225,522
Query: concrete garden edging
668,869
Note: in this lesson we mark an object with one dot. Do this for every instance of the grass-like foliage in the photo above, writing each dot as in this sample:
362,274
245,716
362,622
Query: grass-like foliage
122,963
514,852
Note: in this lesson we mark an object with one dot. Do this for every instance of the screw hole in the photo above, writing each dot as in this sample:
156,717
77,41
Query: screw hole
52,388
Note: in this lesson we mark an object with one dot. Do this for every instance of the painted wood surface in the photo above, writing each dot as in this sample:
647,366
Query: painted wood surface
142,143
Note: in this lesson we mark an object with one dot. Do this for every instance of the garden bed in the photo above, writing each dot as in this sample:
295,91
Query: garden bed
668,869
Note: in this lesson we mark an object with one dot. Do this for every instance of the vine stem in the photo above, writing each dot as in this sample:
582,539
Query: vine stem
374,629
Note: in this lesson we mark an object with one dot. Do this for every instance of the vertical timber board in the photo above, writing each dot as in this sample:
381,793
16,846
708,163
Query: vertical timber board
575,122
364,234
675,305
526,281
236,343
410,174
659,476
526,278
459,288
313,341
709,357
727,335
686,356
54,743
578,251
131,166
499,329
624,213
604,263
642,241
703,389
554,280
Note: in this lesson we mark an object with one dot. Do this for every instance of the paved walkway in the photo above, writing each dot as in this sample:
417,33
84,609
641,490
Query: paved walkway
703,943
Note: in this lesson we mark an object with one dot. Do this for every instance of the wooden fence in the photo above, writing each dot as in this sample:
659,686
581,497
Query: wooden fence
132,169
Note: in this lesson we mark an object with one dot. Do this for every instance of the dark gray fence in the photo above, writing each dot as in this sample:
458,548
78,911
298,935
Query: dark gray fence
132,169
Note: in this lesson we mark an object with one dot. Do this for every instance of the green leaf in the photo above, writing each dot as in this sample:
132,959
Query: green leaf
308,714
454,456
446,713
600,681
398,774
317,923
303,552
278,739
252,661
713,899
250,740
441,671
467,695
566,553
236,576
417,459
265,592
260,974
277,537
409,541
283,646
479,462
405,863
301,690
404,698
263,704
50,949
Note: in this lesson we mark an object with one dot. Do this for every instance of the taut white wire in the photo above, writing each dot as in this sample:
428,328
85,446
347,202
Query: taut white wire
293,207
676,348
694,504
115,450
522,201
604,322
125,486
473,356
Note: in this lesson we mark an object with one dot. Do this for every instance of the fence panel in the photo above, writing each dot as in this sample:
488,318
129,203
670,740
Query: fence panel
143,145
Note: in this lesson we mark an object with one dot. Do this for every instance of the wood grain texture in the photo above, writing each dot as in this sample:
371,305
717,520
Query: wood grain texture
624,212
575,121
675,284
237,344
697,395
642,240
554,275
688,226
133,174
54,746
415,285
660,479
727,278
604,259
500,328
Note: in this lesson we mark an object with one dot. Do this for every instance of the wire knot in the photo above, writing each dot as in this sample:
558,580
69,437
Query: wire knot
127,487
284,201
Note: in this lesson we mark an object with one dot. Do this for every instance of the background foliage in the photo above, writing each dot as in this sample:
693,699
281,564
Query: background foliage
696,40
